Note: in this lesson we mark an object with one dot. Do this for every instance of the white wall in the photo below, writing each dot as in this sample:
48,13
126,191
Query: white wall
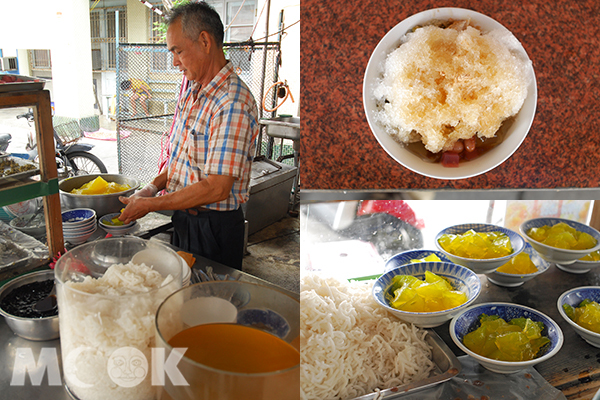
290,46
63,26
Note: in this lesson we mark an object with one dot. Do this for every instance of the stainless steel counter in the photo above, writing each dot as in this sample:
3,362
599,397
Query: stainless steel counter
13,345
575,369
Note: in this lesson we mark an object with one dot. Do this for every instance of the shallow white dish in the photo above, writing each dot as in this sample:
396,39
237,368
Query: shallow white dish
514,137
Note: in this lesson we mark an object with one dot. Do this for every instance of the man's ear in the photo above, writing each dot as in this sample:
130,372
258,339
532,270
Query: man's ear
205,41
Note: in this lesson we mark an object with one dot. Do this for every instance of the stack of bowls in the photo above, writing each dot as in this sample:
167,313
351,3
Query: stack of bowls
116,230
78,225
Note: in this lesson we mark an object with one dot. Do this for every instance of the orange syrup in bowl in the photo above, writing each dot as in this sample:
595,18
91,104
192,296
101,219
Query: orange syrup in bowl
236,348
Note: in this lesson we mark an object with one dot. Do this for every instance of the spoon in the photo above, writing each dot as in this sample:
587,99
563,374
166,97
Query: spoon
46,304
39,210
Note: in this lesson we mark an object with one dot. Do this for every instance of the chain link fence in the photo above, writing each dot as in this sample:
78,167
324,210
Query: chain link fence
144,123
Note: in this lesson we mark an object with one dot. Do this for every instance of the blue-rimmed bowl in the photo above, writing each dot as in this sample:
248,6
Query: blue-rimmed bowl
561,257
514,280
482,266
77,217
460,278
573,297
116,230
579,266
468,320
406,257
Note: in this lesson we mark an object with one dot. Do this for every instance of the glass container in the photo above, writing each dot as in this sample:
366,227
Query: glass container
237,306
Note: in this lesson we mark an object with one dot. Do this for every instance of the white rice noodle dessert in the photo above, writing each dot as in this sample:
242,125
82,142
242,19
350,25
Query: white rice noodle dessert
349,346
102,317
442,86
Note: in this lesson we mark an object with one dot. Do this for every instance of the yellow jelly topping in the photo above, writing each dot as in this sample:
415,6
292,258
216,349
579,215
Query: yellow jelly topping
431,257
593,256
562,236
518,340
586,314
519,264
435,293
101,186
477,245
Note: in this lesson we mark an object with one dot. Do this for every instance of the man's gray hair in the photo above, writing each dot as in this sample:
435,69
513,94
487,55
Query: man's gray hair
198,17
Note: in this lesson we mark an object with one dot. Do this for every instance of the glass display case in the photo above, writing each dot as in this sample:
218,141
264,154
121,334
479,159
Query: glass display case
45,184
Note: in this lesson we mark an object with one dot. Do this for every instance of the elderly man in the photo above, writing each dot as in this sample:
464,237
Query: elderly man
212,144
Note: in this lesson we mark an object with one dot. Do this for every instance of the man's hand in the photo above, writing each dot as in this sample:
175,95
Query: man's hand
135,208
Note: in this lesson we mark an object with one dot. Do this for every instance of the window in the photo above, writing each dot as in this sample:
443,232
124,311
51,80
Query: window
40,59
241,28
103,33
155,18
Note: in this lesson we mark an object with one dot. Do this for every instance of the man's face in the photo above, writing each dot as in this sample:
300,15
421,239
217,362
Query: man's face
190,56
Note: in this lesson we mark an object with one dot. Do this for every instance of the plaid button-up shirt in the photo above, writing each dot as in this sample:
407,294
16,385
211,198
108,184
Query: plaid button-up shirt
215,134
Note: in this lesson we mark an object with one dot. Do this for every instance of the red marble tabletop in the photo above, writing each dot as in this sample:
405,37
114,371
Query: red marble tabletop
562,149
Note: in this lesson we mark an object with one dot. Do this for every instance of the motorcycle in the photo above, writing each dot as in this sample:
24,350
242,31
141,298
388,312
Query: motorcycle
72,159
390,225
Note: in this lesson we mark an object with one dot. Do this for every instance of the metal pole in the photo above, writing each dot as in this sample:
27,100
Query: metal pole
262,88
118,104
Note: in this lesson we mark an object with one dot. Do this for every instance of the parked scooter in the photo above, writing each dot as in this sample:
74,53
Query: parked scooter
71,159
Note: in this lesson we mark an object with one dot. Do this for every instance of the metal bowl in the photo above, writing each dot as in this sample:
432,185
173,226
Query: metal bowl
30,328
35,228
101,203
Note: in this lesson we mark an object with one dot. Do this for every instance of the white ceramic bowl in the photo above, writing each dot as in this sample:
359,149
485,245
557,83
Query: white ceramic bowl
482,266
515,135
79,238
81,228
116,230
159,260
406,256
186,276
573,297
514,280
468,320
88,232
561,257
461,278
579,266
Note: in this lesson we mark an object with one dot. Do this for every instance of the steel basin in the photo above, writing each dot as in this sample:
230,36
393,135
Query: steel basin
283,127
30,328
101,203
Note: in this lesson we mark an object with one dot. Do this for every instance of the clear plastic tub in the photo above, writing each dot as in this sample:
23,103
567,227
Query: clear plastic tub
107,330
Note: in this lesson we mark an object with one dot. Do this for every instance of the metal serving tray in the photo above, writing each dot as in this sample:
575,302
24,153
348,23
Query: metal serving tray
30,84
19,176
13,255
447,366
